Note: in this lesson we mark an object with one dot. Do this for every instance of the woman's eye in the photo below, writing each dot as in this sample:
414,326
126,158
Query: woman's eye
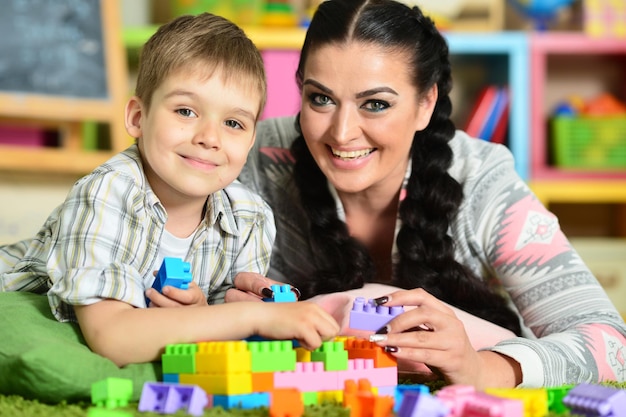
234,124
186,113
376,105
320,99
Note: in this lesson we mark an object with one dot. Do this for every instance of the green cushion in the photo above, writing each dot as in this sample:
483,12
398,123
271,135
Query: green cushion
43,359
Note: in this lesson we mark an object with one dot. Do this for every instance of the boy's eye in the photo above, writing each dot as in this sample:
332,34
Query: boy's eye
186,113
376,105
320,99
234,124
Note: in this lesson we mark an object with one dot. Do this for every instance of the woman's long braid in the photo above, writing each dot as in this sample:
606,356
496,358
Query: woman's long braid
343,263
432,200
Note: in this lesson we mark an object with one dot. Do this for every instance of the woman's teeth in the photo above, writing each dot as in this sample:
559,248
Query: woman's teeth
352,154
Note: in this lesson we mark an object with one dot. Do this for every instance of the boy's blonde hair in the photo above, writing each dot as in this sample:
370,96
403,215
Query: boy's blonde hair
204,43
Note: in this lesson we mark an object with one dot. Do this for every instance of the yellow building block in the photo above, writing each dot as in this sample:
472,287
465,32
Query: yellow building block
223,357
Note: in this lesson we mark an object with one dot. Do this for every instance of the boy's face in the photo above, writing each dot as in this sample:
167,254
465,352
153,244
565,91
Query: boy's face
195,138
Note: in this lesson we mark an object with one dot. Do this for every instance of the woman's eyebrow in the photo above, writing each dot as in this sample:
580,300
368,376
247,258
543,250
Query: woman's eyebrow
376,90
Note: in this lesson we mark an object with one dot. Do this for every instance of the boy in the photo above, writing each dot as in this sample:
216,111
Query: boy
200,90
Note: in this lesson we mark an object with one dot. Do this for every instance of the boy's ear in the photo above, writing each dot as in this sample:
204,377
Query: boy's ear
133,115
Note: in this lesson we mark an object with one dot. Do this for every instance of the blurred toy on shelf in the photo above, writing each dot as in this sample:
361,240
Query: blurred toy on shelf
277,13
242,12
589,133
605,18
541,12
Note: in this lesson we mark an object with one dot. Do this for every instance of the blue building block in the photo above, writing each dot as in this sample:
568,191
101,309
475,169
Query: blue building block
402,389
243,401
168,398
282,294
171,378
173,272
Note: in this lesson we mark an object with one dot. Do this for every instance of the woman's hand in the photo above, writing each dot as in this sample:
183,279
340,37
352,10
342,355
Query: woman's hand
432,334
251,286
176,297
304,321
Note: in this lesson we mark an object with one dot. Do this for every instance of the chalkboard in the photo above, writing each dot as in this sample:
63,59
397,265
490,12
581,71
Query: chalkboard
62,63
53,47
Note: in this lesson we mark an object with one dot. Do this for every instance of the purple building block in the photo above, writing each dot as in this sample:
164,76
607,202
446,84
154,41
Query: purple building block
421,404
369,316
167,398
596,401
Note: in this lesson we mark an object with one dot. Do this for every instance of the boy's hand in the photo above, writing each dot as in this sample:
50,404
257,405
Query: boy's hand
176,297
304,321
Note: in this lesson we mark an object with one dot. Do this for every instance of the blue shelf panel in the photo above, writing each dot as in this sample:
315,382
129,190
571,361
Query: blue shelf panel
513,45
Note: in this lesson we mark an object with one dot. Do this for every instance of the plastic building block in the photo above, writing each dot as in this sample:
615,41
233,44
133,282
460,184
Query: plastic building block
106,412
282,294
286,402
481,404
361,348
243,401
112,392
366,315
303,355
401,390
262,381
307,377
179,358
555,398
535,400
364,369
174,272
333,354
596,400
362,402
310,398
167,398
421,404
455,396
272,356
171,378
223,357
221,384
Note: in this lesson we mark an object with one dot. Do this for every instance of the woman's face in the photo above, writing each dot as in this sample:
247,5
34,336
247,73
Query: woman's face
359,114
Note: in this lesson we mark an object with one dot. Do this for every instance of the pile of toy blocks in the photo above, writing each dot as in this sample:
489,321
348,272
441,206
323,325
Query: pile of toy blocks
244,374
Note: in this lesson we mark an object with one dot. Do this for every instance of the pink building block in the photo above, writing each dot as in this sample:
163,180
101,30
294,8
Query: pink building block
308,377
364,369
366,315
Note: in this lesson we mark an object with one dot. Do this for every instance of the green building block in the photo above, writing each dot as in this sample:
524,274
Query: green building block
333,354
179,358
112,392
105,412
309,398
272,356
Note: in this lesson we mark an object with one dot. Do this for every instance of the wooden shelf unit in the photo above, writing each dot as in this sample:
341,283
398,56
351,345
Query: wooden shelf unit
546,49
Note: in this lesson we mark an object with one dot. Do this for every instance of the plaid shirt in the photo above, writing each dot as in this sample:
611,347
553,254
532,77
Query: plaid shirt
103,241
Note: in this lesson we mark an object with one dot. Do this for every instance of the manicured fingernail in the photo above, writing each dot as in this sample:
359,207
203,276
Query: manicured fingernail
378,337
296,292
383,330
390,349
381,300
267,292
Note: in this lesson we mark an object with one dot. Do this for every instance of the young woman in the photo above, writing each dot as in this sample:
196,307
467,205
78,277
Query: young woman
371,183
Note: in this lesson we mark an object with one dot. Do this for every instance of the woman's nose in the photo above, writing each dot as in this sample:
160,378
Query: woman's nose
346,125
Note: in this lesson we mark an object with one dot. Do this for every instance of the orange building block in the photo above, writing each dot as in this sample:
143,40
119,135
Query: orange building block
262,381
361,348
362,402
286,402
